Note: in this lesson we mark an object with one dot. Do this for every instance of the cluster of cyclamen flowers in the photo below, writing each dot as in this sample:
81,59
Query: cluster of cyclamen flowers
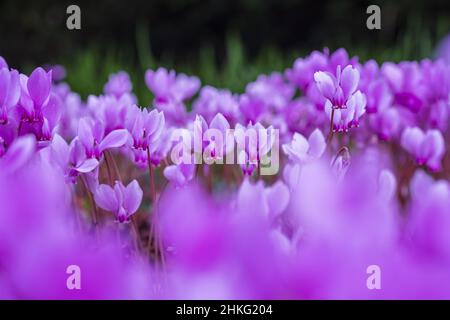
364,180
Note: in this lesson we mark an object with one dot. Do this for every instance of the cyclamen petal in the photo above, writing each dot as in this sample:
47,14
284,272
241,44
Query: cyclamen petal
428,148
411,139
349,80
132,197
387,184
18,154
174,175
38,85
180,174
85,133
317,144
114,139
277,197
87,166
326,83
105,198
9,87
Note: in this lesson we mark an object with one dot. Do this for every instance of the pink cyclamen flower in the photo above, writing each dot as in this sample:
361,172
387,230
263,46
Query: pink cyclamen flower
71,158
92,135
216,137
386,123
180,174
406,81
340,88
348,117
253,143
213,101
145,129
167,85
269,93
427,147
302,72
121,201
300,150
9,92
118,84
269,202
35,92
39,109
112,111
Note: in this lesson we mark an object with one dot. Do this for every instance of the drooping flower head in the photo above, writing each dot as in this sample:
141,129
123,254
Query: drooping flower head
338,89
428,147
122,201
91,134
145,129
71,159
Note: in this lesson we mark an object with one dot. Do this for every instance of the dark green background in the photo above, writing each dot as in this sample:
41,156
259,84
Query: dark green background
227,43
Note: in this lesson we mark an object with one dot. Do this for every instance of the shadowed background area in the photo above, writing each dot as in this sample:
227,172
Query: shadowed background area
226,43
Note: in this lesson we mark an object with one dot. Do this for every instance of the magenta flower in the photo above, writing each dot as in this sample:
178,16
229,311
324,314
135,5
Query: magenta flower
386,123
429,217
122,201
216,137
348,117
379,97
39,110
427,147
58,72
35,93
71,158
91,134
9,93
253,143
145,129
405,80
300,150
167,85
339,89
269,202
302,73
112,111
118,84
213,101
180,174
266,95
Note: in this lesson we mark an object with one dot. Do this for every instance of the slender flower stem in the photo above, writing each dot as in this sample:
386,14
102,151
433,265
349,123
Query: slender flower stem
108,167
152,178
76,210
137,238
330,133
94,206
116,168
152,231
